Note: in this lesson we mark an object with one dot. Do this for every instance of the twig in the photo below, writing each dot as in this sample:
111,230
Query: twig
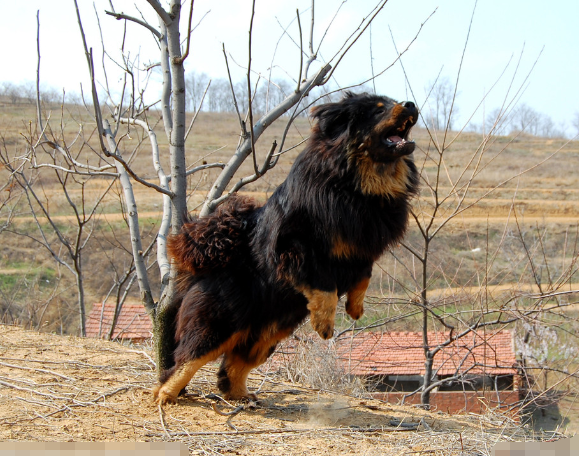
301,50
249,97
202,167
162,419
238,409
241,122
181,59
38,107
198,111
44,371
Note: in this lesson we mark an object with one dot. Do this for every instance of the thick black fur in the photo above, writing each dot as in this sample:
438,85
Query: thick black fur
242,270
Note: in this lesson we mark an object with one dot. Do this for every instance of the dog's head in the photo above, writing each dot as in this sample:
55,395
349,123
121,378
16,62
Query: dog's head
370,135
376,125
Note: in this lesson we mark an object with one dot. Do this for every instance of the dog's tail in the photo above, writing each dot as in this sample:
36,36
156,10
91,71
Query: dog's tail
214,241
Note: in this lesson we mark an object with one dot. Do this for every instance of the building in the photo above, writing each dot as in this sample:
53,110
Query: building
392,367
133,322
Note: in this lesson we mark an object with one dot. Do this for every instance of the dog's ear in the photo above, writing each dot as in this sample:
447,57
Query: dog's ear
333,119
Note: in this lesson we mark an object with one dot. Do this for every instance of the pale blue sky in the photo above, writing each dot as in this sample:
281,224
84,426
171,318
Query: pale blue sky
502,31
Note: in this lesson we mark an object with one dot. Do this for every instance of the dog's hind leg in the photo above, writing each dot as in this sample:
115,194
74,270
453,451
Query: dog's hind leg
322,306
232,377
236,365
179,376
355,302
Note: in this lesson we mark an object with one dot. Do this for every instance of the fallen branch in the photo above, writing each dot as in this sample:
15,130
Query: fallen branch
288,431
44,371
232,413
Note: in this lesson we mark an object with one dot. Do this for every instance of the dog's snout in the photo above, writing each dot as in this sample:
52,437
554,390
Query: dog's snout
408,105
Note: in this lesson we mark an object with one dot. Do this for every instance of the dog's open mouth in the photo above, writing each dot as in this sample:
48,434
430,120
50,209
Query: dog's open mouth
397,141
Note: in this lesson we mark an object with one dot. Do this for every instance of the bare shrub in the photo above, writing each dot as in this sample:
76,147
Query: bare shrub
308,360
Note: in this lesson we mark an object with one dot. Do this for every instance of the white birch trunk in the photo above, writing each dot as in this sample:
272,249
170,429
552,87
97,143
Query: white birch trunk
133,220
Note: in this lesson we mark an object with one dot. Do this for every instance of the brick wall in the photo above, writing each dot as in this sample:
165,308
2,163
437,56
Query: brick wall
453,402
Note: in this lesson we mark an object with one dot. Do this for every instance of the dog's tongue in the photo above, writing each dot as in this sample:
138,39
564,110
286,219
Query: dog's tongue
394,139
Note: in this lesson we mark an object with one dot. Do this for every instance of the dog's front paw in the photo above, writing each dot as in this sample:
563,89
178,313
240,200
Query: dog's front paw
322,306
355,307
324,327
355,302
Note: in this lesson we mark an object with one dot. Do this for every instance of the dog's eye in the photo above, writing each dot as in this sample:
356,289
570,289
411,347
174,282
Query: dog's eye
379,111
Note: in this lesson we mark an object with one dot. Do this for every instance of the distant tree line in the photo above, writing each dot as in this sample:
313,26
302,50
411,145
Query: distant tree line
524,118
441,111
25,92
202,92
216,95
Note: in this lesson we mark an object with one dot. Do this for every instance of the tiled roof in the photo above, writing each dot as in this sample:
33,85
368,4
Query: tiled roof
132,323
402,353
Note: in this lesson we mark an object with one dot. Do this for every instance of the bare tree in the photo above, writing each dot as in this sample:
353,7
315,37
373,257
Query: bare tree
196,85
65,243
440,111
526,119
11,91
576,122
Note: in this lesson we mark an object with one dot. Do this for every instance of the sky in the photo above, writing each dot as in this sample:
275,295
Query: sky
524,51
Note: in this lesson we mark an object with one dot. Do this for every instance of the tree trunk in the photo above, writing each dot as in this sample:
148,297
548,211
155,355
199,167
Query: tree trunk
164,328
425,395
428,358
81,305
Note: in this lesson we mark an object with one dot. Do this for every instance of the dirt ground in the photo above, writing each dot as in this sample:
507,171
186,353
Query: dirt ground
62,388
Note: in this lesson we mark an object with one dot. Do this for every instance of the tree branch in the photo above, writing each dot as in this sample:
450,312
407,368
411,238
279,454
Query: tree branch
163,15
181,59
121,16
244,149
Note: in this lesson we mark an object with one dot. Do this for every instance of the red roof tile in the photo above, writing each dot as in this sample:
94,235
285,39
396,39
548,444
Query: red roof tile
402,353
132,323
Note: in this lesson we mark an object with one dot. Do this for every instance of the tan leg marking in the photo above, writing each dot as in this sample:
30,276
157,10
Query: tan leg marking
355,302
167,392
322,306
238,369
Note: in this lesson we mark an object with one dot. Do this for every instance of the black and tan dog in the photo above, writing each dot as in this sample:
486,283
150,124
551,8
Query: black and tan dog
250,275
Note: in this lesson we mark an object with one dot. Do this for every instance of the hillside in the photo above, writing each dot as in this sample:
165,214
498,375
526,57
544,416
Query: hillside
64,388
545,200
